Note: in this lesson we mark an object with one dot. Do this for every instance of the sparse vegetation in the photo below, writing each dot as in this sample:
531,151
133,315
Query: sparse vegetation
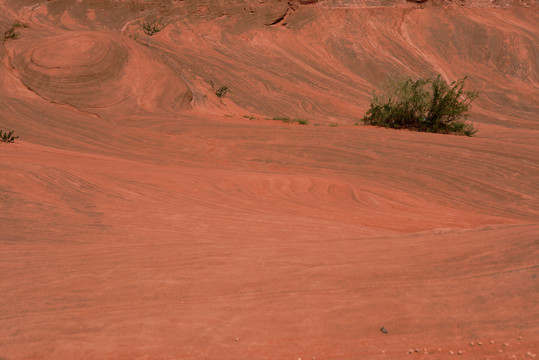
286,119
426,104
334,124
7,137
152,27
250,117
10,34
220,92
20,24
282,118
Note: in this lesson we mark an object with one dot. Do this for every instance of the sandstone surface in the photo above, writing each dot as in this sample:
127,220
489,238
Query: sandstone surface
142,217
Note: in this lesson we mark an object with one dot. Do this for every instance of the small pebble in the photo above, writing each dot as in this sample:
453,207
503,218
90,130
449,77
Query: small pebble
460,352
471,343
519,338
410,351
479,343
451,352
439,349
530,354
505,344
492,341
237,339
500,350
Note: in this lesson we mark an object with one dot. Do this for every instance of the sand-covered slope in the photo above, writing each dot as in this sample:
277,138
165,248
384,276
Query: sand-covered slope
142,217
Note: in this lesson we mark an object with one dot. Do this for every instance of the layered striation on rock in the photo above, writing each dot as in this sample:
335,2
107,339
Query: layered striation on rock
144,217
93,70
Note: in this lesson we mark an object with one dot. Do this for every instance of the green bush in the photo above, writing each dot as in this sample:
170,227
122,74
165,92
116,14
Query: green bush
152,27
20,24
7,137
282,118
10,34
220,91
286,119
425,104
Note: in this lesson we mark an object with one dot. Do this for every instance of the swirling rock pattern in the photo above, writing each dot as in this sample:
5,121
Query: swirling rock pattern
80,69
100,72
142,217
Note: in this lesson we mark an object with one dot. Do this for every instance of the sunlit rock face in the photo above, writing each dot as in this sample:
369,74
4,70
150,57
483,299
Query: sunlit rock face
144,217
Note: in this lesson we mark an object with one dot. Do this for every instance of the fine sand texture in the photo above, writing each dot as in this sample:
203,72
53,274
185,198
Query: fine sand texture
143,217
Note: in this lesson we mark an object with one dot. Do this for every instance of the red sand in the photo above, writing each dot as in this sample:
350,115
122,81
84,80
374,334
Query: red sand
143,218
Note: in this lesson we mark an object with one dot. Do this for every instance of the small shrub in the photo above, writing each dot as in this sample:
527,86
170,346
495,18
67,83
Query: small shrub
20,24
334,125
10,34
427,104
152,27
7,137
282,118
286,119
219,92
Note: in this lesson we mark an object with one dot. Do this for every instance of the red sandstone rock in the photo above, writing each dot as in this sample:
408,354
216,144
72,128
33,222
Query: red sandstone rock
143,217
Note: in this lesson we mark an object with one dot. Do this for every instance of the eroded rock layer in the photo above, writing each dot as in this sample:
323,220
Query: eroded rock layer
144,217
